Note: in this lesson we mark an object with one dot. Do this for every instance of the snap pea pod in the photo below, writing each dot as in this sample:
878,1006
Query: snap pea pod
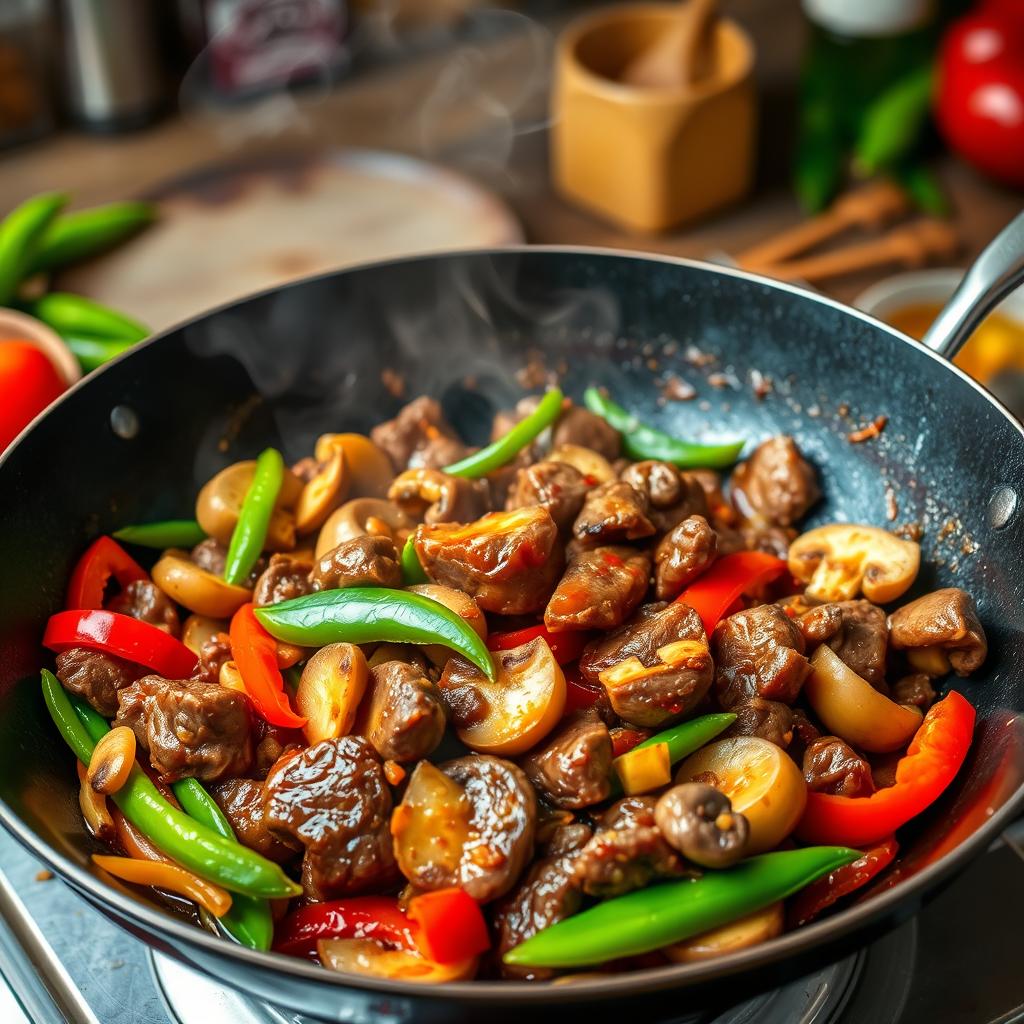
75,236
77,316
21,233
254,519
192,845
506,448
412,567
362,615
92,353
169,533
894,122
640,441
659,915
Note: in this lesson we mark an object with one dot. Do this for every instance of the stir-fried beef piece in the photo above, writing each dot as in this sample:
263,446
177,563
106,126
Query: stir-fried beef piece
508,561
772,540
581,427
572,766
759,652
682,555
654,668
404,716
272,742
805,732
914,689
946,619
549,893
556,486
671,495
834,767
861,641
283,579
600,589
817,623
776,485
419,436
367,561
435,497
96,677
334,799
612,513
241,800
212,655
212,556
146,602
768,719
190,728
627,851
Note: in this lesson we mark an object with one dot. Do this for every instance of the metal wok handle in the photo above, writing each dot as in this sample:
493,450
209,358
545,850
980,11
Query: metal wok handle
992,276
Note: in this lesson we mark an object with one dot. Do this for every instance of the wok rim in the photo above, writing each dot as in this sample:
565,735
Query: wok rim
804,940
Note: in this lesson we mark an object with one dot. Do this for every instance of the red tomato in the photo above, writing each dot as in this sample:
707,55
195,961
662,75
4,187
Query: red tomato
28,384
979,103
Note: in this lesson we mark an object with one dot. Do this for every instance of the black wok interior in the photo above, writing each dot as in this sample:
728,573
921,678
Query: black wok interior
283,367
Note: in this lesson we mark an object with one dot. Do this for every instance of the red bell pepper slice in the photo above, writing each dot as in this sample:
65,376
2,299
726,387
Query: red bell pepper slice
840,882
122,635
451,925
578,692
566,647
254,651
712,594
625,738
103,558
362,917
933,758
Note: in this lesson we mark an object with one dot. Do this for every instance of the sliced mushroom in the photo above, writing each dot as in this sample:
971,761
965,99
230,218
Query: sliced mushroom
220,502
435,497
839,561
195,588
325,489
748,931
698,820
593,466
112,761
369,466
330,689
360,517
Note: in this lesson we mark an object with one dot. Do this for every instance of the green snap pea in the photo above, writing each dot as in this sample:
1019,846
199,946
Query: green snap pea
169,533
640,441
362,615
76,236
21,233
686,737
412,567
894,122
659,915
506,448
194,846
250,532
78,317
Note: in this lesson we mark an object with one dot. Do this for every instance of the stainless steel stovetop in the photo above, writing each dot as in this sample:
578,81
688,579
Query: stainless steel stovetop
958,963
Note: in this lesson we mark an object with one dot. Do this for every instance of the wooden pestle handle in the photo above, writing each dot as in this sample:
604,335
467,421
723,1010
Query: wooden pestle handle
682,55
912,245
872,206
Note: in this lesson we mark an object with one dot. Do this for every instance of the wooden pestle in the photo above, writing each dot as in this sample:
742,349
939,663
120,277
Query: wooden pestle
911,245
872,206
681,56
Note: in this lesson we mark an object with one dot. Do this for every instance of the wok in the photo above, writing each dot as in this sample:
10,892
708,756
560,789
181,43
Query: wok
134,442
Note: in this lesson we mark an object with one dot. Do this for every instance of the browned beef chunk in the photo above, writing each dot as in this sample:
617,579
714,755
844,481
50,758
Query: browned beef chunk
805,732
146,602
759,652
861,641
682,555
671,495
946,619
192,729
768,719
817,623
404,717
654,668
435,497
549,893
508,561
212,655
333,798
627,851
581,427
272,742
776,485
600,589
834,767
572,766
367,561
241,800
419,436
612,513
96,677
914,689
556,486
212,556
772,540
283,579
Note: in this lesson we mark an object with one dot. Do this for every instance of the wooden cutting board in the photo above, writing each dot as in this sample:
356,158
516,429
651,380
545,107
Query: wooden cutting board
232,229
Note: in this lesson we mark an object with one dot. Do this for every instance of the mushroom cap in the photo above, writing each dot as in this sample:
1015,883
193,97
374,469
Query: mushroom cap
698,820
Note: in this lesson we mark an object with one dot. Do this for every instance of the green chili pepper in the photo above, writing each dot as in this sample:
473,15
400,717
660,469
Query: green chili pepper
192,845
362,615
79,317
506,448
75,236
412,567
171,533
894,122
92,353
254,519
642,442
659,915
21,234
